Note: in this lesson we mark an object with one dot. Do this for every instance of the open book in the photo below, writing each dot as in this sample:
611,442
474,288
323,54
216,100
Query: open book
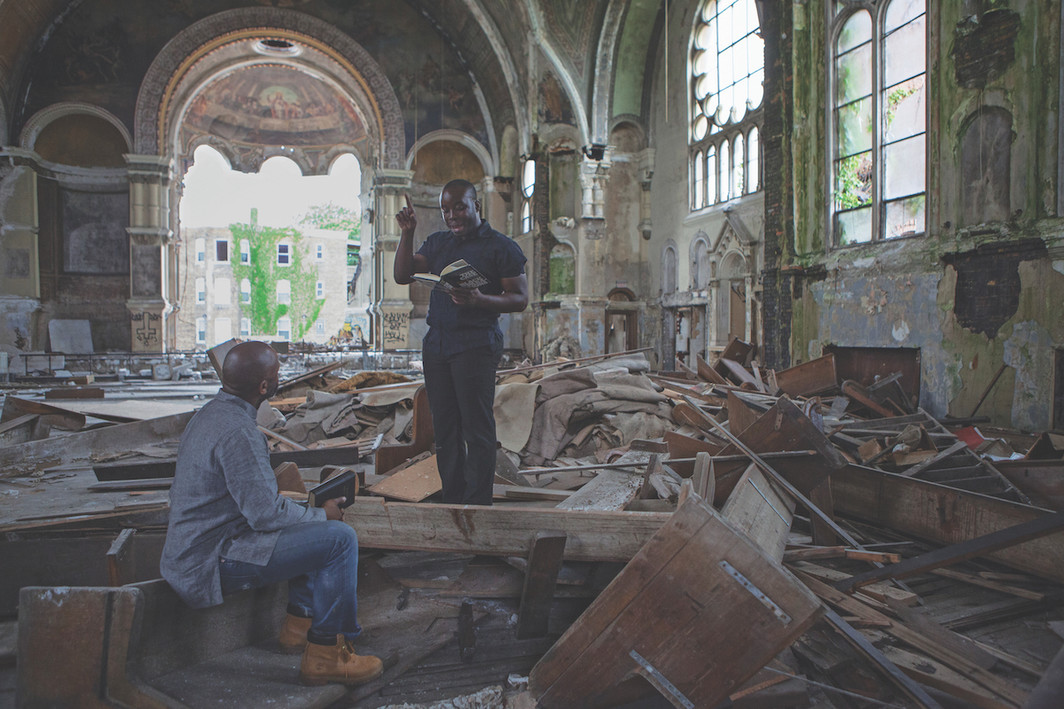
455,275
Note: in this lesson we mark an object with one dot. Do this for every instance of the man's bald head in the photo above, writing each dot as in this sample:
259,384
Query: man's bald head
250,372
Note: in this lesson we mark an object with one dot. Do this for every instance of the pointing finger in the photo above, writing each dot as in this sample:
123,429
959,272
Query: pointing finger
408,203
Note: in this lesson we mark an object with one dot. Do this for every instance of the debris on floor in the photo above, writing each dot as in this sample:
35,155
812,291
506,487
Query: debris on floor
715,533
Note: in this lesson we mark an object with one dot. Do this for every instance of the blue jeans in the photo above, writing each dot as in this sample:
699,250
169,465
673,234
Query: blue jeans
461,389
320,562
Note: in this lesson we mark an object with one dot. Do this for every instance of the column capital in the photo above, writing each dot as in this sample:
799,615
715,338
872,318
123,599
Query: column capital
392,180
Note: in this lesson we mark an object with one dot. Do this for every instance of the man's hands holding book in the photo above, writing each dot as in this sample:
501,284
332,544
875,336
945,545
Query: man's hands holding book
334,508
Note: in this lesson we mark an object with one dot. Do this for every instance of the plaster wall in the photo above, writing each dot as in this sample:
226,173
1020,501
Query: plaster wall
909,292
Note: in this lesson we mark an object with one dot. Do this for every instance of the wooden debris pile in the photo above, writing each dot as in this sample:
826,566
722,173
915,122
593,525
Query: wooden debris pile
815,540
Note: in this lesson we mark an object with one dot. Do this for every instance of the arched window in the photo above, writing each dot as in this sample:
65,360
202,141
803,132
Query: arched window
668,271
878,120
727,67
700,266
528,188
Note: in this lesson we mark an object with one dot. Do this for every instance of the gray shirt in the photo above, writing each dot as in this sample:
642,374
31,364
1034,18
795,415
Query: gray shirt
223,501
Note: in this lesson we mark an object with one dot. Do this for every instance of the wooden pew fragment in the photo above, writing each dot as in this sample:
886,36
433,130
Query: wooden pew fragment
541,576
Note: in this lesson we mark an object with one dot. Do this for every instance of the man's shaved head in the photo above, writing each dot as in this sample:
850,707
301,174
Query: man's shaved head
246,367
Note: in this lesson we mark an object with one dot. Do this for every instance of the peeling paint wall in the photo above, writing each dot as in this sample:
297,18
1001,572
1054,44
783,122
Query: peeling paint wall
983,287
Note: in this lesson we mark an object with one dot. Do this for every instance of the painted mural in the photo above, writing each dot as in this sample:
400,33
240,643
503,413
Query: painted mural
269,104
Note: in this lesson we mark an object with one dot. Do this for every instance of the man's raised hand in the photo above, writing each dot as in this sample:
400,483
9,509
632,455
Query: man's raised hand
406,218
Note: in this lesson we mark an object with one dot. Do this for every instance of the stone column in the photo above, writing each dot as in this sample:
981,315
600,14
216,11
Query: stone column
149,236
20,283
392,324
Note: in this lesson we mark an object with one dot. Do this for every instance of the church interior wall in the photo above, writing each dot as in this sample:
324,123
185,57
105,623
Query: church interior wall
978,288
973,292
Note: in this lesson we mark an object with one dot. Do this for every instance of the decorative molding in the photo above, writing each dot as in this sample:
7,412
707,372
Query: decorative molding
179,55
448,135
40,120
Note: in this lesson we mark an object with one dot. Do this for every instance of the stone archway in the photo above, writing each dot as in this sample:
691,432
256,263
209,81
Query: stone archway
215,49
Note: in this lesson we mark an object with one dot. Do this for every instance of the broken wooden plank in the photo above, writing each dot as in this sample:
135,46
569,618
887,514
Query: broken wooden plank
916,470
74,393
609,490
903,632
58,418
120,558
760,512
412,484
544,561
707,372
955,553
498,531
83,447
944,515
891,671
809,378
992,585
676,603
523,492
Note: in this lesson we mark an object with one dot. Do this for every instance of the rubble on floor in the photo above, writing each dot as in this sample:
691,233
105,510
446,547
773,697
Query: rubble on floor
716,533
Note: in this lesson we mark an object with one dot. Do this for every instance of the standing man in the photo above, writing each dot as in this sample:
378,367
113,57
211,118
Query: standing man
464,343
230,530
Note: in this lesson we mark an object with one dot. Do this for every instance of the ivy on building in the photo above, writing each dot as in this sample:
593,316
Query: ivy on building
263,272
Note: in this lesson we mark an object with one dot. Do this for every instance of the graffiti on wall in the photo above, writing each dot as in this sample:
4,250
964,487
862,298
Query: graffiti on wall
396,325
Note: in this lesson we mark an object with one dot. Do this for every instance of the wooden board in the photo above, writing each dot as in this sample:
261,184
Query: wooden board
413,484
1041,480
944,515
762,513
809,378
609,490
498,531
27,458
686,605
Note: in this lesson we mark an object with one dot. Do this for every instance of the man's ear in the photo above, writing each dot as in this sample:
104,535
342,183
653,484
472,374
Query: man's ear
264,386
476,204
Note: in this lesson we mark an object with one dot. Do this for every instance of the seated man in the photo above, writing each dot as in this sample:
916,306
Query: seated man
230,530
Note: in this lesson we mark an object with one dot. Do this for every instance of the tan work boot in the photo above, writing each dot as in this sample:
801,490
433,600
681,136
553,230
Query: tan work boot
293,636
323,664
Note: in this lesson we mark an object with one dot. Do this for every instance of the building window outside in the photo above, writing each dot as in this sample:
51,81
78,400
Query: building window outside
221,251
201,253
528,188
284,327
201,329
319,252
222,295
727,87
284,254
878,120
284,292
319,289
245,251
245,290
319,327
201,290
245,327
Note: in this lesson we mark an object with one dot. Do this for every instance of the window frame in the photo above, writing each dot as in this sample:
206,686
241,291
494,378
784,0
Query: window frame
705,180
836,20
286,254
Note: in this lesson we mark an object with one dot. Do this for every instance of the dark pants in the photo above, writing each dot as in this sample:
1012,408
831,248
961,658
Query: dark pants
320,562
461,389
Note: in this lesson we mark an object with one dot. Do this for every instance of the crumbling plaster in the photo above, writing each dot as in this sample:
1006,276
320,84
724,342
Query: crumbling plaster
900,293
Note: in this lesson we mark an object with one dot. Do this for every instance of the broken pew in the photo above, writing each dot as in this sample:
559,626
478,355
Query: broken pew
696,612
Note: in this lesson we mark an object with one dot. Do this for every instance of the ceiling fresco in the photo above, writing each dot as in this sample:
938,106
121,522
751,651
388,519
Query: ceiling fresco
270,104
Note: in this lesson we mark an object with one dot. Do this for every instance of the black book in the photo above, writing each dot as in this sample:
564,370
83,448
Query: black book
455,275
343,484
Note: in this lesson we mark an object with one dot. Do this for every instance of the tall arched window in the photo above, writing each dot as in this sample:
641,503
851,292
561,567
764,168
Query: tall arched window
727,67
528,188
668,271
879,119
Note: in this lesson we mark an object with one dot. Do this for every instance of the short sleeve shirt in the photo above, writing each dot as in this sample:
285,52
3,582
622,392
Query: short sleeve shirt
454,329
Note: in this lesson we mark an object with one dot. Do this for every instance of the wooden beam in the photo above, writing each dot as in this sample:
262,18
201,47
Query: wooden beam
498,530
956,553
945,515
609,490
27,458
541,576
860,643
